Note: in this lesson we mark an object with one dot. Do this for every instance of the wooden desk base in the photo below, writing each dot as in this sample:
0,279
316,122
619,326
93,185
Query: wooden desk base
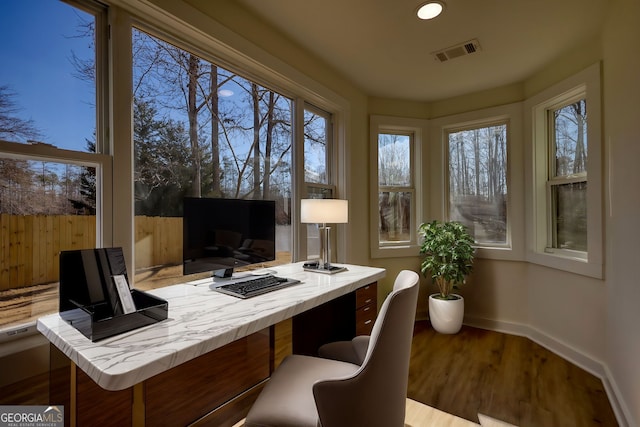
179,396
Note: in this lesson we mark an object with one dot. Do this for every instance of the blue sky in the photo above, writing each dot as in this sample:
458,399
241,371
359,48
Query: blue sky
35,52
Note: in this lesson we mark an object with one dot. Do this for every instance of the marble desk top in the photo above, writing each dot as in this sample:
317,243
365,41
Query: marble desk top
199,320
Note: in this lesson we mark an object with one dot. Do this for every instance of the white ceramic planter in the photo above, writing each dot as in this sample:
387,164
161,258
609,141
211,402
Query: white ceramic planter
446,315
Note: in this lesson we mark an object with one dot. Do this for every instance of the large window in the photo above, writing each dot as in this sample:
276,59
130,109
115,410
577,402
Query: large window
566,219
200,127
205,129
52,178
201,130
477,158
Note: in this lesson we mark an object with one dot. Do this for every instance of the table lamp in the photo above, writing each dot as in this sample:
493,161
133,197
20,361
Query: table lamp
323,212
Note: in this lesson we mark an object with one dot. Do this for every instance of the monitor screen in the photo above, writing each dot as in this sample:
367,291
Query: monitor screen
221,234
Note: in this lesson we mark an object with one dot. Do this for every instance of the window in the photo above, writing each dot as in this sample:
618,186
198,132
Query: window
201,130
566,219
397,201
54,181
317,135
318,184
252,113
567,182
477,184
395,188
77,125
477,158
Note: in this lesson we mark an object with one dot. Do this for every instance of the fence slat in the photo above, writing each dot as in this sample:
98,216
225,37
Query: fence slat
4,246
31,244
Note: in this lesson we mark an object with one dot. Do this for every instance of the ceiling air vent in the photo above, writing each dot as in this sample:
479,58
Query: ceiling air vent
461,49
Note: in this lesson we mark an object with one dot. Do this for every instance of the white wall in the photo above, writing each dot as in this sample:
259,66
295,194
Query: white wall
496,295
567,312
621,75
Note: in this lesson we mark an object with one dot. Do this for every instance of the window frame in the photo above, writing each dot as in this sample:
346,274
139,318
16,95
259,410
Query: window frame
418,129
514,249
396,188
480,124
584,85
213,42
328,190
101,162
556,181
101,158
328,146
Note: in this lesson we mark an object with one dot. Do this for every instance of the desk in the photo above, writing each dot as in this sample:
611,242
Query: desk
207,332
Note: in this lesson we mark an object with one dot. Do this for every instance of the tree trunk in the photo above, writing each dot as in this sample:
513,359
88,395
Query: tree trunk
193,125
256,141
267,149
216,189
579,161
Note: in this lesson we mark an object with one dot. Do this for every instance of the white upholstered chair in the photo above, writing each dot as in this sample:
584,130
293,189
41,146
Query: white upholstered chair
307,391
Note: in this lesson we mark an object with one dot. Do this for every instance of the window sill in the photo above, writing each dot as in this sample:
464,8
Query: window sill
395,251
567,263
18,338
499,253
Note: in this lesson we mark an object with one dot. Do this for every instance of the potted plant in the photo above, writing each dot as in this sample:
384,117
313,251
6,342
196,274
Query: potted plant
448,259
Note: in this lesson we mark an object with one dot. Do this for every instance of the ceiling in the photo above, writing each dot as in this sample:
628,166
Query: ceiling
383,48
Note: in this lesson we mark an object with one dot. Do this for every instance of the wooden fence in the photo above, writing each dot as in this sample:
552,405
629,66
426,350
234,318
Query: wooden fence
31,244
158,241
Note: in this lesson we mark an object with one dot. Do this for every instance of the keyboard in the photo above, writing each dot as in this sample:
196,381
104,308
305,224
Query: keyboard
254,285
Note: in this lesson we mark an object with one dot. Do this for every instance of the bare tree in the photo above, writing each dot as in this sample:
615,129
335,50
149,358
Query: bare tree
214,110
570,139
250,132
15,180
580,159
12,127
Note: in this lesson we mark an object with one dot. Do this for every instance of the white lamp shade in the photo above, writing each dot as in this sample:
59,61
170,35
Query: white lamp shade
324,211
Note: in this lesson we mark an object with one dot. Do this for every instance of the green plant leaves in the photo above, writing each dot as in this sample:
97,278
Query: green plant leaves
448,253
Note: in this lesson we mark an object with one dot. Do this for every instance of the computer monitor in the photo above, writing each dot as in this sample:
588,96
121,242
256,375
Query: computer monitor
222,234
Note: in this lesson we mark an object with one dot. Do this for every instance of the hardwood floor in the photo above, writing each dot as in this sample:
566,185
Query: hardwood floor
506,377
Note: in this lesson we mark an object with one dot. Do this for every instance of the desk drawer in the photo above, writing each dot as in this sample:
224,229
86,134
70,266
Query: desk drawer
367,295
366,308
365,317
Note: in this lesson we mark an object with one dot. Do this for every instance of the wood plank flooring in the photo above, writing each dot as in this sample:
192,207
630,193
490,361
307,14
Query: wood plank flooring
506,377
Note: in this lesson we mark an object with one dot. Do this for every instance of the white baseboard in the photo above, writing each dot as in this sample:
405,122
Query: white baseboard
24,353
568,353
620,408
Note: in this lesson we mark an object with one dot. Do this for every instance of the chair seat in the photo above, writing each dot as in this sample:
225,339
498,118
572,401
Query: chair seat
287,399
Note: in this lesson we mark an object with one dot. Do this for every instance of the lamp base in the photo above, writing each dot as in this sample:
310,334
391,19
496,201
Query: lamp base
331,269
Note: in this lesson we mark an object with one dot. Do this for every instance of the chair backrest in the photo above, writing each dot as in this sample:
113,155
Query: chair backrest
375,396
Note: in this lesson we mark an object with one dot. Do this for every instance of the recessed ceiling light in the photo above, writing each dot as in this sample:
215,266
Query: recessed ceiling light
430,10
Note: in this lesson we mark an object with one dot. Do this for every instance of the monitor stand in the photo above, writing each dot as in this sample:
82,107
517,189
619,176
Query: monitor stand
223,273
327,269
